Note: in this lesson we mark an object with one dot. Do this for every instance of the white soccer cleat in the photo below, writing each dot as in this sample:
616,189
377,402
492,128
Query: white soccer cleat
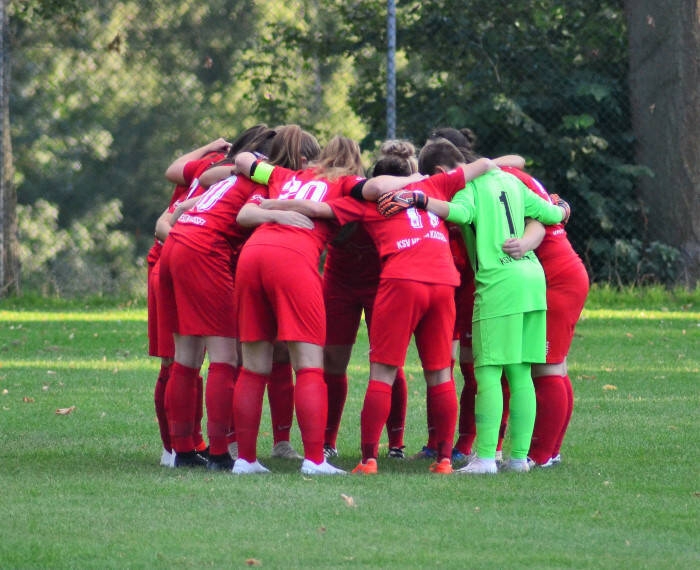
479,466
284,450
167,459
532,464
308,467
517,465
243,467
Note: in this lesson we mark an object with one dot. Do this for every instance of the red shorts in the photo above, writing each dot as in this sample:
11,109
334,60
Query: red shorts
464,304
151,302
196,291
403,308
279,296
567,289
344,306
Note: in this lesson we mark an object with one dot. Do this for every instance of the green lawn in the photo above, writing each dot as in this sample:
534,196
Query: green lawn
84,490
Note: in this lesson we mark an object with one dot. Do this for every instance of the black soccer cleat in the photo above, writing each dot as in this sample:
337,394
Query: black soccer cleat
189,459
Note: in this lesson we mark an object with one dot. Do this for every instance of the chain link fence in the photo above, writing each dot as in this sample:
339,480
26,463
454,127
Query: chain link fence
103,102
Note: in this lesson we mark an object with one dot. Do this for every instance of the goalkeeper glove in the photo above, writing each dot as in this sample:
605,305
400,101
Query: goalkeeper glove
563,205
391,203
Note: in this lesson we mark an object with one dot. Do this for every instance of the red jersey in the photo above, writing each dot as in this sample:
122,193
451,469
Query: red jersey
211,223
413,244
353,258
555,243
285,184
183,191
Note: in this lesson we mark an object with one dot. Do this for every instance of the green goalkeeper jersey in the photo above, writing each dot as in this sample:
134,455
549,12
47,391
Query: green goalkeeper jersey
491,209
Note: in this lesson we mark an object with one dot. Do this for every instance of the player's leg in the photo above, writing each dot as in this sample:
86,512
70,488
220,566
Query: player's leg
375,411
434,342
336,358
396,422
280,394
219,398
552,410
311,405
248,395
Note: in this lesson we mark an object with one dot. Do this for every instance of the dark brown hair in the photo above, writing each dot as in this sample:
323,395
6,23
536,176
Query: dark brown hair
438,152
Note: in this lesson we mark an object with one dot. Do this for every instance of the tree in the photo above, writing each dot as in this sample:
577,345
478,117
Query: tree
664,40
9,259
28,11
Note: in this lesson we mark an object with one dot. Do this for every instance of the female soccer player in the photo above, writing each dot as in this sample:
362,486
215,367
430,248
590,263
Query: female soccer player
567,289
416,285
350,281
279,297
197,283
509,309
160,338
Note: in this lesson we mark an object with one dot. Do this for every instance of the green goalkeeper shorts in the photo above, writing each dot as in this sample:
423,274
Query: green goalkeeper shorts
511,339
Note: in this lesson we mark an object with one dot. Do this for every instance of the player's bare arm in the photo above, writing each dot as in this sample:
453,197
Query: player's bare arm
513,160
374,187
252,215
531,239
175,172
216,173
309,208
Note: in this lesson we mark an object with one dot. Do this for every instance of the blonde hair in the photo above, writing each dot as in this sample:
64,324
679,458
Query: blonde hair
340,157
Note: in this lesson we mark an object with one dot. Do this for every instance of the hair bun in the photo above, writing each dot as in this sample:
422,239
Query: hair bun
402,149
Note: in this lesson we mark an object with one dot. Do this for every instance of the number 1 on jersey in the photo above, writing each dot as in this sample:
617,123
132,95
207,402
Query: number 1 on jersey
504,200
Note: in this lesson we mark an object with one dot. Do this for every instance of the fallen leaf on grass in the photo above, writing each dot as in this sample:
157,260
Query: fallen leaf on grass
28,400
51,372
349,501
65,411
609,387
253,562
5,392
629,335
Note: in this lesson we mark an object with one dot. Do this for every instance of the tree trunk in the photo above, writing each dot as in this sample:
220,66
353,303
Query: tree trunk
664,39
9,255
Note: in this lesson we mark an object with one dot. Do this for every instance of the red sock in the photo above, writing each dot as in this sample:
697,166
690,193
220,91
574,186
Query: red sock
248,394
506,412
551,415
199,443
432,439
395,423
443,398
180,406
311,404
375,412
159,400
231,435
280,393
337,388
467,420
219,403
567,418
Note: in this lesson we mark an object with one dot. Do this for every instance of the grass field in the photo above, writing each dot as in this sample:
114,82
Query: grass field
84,490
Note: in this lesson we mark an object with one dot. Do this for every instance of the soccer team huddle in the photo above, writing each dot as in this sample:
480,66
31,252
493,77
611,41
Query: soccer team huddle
466,255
